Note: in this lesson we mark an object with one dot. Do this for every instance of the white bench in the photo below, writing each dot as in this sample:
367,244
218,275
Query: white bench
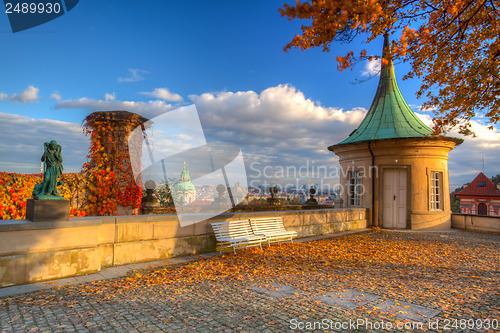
236,234
272,228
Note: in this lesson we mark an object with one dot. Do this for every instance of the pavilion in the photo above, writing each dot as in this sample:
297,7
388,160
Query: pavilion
392,164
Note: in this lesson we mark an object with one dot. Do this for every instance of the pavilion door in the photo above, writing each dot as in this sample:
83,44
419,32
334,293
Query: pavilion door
394,201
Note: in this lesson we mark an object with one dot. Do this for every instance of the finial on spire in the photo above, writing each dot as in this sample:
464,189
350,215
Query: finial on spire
386,51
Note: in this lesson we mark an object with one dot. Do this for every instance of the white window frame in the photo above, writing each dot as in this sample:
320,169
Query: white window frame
354,186
436,190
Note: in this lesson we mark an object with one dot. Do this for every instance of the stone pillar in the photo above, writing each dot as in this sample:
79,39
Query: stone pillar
111,130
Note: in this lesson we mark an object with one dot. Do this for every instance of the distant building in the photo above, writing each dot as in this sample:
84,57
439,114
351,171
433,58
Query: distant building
481,197
183,190
239,194
200,203
393,166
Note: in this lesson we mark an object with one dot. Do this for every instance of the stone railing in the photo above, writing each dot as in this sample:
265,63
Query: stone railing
32,252
475,222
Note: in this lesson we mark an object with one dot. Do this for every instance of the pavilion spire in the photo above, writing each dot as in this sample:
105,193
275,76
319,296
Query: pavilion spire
389,116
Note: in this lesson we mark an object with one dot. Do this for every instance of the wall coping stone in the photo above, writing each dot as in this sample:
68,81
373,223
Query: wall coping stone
487,216
15,225
243,215
28,225
146,218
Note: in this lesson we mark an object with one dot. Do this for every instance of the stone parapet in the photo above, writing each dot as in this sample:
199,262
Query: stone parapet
475,222
33,252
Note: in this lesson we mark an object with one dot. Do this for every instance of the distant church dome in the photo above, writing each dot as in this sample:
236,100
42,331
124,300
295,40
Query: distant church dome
184,190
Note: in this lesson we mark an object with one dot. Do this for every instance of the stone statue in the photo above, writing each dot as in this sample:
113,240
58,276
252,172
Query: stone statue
47,190
221,202
311,200
272,200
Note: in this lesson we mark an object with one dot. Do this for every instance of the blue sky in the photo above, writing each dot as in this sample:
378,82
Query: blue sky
225,56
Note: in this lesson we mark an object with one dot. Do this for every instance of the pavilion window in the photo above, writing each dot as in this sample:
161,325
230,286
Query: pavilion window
355,189
436,190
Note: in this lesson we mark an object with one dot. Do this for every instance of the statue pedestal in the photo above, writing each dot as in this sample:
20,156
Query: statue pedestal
311,202
47,210
148,207
273,202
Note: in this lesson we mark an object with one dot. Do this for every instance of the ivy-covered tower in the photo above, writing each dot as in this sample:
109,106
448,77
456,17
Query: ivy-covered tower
112,188
392,164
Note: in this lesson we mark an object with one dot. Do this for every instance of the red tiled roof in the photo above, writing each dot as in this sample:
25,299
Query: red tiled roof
490,190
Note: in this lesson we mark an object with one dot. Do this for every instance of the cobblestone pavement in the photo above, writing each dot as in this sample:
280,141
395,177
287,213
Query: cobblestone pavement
373,281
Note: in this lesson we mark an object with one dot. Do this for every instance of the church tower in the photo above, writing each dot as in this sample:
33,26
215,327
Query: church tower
183,190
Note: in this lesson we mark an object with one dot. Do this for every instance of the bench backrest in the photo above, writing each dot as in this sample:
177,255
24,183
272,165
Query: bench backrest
231,229
267,225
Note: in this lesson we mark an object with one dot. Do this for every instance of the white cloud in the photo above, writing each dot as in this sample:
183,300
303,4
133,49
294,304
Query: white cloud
55,95
110,97
22,137
371,68
165,94
29,95
184,137
465,161
135,75
146,109
277,112
279,126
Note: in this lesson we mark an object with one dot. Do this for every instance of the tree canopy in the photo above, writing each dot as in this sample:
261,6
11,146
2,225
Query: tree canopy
453,46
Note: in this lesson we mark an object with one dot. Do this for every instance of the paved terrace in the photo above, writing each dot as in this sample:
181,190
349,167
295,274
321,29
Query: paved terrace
370,281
